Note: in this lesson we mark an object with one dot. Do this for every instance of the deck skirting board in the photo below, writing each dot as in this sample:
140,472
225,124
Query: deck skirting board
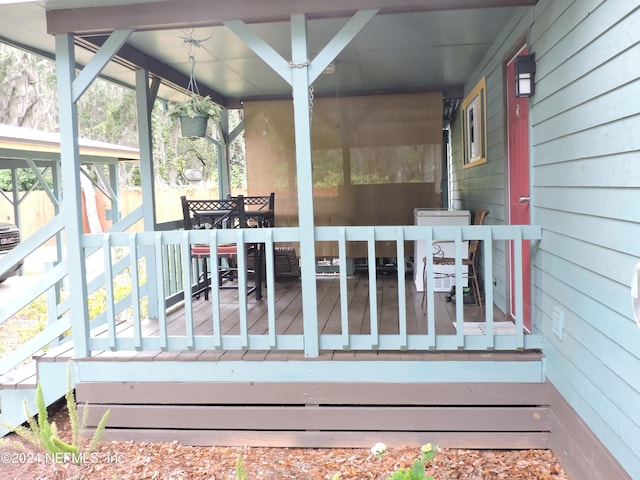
312,393
351,414
580,452
317,414
330,418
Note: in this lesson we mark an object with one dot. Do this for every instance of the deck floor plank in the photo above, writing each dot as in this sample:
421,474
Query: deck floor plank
288,304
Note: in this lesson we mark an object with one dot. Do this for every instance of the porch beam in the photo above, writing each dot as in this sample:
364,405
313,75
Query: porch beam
100,60
339,42
178,14
261,48
42,182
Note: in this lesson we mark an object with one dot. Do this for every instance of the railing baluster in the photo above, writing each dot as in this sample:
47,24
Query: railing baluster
487,252
429,286
160,284
108,284
52,299
402,289
187,266
517,261
344,299
270,280
242,288
459,290
373,287
214,261
135,291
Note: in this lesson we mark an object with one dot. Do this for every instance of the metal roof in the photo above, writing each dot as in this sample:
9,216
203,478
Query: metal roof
410,45
18,143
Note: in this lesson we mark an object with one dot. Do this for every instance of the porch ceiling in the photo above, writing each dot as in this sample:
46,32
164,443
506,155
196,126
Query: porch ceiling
411,45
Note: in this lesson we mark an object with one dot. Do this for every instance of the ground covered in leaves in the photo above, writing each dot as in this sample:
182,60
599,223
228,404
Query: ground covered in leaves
172,461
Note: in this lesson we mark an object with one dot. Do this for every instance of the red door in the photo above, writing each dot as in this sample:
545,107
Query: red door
518,183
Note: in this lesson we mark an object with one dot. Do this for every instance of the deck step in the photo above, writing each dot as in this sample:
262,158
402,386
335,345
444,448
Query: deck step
60,353
22,377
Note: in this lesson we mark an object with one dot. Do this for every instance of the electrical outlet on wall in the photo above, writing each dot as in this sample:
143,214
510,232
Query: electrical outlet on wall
558,322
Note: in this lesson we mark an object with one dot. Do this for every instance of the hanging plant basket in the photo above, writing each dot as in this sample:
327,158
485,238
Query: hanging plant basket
195,126
196,110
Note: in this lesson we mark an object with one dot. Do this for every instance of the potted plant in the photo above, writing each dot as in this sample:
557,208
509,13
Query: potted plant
194,114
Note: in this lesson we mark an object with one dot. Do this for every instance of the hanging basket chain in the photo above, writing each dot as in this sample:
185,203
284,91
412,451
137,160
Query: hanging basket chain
193,84
193,42
311,96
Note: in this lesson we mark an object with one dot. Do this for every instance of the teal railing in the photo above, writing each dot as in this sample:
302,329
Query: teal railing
125,254
170,250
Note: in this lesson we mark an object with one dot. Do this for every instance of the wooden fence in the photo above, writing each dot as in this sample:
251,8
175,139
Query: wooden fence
36,209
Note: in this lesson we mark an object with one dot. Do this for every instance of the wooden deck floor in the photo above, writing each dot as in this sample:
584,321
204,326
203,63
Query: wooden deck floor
288,301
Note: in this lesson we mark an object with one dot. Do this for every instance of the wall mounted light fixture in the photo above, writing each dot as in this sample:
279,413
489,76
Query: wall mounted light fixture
525,69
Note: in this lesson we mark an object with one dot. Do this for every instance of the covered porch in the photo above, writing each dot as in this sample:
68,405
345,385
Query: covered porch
332,364
308,331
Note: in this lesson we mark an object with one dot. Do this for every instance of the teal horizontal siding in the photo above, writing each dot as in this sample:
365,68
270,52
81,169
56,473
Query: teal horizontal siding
585,176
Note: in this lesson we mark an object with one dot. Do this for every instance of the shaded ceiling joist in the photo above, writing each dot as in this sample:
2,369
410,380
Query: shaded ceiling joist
200,13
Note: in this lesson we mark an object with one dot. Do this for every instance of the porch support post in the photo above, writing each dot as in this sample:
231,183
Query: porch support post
70,160
224,183
110,182
115,192
229,137
145,97
16,198
300,72
70,89
15,202
223,166
302,127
